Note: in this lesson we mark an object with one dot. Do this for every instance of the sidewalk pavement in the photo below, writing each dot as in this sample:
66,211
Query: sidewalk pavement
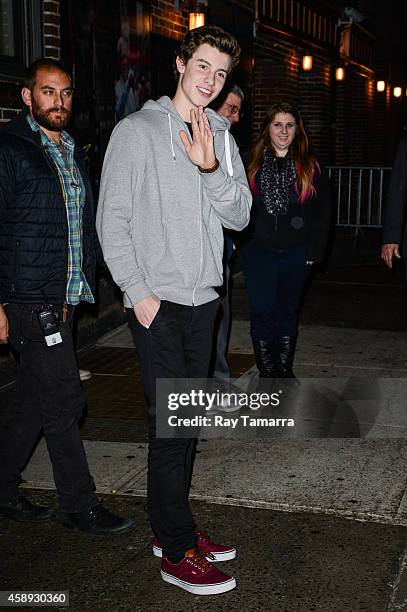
319,523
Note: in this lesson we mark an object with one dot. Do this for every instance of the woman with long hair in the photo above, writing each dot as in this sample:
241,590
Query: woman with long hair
288,233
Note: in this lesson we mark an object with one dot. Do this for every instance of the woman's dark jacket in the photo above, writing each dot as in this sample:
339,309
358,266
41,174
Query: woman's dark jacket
33,220
394,223
305,223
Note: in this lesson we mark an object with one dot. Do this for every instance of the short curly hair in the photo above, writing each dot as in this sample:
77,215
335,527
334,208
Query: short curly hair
211,35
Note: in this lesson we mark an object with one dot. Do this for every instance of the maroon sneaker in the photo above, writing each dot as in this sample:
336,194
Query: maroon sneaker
196,575
215,552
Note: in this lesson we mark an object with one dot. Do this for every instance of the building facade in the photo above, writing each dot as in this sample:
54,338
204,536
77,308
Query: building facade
121,53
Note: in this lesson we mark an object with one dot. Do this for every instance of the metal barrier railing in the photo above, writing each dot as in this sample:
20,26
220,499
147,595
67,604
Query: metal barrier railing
359,194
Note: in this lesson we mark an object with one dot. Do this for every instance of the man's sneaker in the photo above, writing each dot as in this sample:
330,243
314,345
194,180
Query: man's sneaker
196,575
229,395
215,552
85,374
97,520
24,511
228,404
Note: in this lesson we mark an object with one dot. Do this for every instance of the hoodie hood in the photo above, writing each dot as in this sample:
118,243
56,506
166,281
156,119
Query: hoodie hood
165,105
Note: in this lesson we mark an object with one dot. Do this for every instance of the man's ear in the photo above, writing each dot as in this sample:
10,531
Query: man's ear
26,96
180,65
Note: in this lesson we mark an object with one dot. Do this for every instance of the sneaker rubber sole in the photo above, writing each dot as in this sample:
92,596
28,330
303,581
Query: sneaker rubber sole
195,589
227,555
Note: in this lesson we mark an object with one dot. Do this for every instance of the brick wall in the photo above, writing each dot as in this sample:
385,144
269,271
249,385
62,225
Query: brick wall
363,134
315,101
348,122
51,29
278,75
167,21
275,74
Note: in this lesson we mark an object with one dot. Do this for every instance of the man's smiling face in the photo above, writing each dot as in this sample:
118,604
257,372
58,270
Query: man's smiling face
202,77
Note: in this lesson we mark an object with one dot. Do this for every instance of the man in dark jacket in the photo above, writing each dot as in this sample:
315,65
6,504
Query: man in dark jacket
394,227
47,266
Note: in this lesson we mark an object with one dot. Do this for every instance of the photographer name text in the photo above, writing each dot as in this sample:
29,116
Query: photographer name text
218,420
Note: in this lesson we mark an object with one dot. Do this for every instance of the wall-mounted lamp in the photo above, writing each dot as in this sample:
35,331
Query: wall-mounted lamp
196,20
340,73
397,91
307,63
381,85
197,13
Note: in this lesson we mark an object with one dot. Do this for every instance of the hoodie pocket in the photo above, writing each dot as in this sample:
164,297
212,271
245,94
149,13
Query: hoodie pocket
16,264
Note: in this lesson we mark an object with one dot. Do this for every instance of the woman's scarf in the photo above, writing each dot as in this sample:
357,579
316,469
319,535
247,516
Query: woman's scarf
276,179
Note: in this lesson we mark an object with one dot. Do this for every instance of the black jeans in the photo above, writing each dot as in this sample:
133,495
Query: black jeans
221,371
275,281
178,344
47,396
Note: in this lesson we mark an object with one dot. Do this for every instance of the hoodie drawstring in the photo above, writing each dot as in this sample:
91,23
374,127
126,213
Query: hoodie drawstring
228,155
172,144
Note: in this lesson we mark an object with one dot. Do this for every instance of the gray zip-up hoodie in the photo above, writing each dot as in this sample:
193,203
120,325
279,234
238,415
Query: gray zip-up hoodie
159,219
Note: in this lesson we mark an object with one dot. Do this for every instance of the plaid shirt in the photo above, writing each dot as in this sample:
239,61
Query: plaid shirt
74,191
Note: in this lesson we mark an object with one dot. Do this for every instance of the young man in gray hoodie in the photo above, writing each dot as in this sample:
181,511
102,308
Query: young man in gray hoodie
172,177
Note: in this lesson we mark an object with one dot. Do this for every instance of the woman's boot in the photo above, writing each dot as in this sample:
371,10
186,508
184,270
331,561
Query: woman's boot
267,361
267,358
286,355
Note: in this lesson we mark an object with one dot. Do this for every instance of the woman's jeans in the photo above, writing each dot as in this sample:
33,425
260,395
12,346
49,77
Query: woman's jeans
275,280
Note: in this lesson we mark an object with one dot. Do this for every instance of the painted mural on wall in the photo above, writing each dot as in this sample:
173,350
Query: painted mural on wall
132,85
107,50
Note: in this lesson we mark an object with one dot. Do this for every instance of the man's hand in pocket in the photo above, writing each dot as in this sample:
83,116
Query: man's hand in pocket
146,310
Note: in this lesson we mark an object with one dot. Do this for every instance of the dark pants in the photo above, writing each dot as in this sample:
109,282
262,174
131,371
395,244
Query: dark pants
275,280
177,345
47,396
221,371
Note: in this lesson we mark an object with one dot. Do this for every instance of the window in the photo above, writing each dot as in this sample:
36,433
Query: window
7,45
20,35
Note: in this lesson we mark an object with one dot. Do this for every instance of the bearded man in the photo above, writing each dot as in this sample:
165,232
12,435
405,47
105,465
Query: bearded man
47,267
